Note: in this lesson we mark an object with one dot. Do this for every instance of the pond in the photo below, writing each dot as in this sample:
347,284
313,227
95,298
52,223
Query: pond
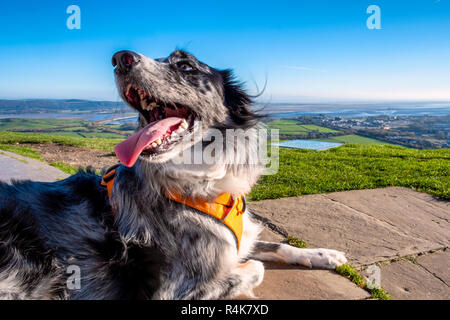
308,144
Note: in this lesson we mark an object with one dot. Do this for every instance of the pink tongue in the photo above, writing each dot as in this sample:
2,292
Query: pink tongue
129,150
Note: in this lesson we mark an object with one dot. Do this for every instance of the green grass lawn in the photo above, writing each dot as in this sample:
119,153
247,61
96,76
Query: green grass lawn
353,138
64,167
74,134
104,135
291,127
90,143
353,167
24,151
67,134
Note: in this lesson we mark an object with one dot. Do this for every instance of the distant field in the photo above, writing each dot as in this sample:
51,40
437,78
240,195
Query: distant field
290,127
65,127
353,139
103,135
313,127
17,124
352,167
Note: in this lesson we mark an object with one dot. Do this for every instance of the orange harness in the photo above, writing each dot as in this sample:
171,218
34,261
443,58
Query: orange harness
224,208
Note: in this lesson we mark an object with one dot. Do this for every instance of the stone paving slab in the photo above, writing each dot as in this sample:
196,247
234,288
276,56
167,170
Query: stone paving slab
410,212
14,166
285,282
387,223
438,264
404,280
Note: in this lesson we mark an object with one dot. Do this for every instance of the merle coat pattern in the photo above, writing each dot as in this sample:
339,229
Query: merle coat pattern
138,244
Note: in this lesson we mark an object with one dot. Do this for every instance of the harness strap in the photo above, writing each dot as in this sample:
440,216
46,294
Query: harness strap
109,177
224,208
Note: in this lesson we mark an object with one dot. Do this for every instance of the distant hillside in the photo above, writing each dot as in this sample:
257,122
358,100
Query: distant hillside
52,105
69,127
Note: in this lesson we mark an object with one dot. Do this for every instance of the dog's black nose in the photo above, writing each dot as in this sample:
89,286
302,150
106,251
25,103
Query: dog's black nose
125,59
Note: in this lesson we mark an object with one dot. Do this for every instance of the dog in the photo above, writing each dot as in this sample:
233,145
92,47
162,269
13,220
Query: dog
135,238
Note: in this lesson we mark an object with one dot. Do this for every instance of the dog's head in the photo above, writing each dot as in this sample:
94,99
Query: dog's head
175,97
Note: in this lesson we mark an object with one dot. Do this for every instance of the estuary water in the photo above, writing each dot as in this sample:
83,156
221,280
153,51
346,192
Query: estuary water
308,144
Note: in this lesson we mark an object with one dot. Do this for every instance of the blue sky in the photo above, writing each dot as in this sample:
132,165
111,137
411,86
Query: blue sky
308,50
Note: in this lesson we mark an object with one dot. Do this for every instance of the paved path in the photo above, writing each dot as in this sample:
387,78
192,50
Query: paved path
406,233
14,166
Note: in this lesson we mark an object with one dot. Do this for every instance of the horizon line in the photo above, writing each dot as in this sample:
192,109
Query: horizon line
307,101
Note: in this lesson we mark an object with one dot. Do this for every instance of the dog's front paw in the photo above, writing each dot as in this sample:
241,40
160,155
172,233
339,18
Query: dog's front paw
326,258
314,258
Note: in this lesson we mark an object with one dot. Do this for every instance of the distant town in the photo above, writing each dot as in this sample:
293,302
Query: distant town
421,132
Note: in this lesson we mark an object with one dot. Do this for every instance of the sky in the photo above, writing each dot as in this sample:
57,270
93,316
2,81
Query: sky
303,50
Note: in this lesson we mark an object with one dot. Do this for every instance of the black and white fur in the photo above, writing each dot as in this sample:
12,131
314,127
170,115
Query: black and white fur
139,244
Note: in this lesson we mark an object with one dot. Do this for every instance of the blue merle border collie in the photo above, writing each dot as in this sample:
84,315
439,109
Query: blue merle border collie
137,243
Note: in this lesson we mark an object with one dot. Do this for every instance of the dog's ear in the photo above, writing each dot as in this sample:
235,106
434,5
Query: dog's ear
237,101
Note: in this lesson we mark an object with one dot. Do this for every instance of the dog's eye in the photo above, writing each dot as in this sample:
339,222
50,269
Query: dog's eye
184,66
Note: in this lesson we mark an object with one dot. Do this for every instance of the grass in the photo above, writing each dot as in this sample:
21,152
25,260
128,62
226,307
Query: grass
350,273
103,135
313,127
64,127
16,158
70,134
67,168
101,144
83,134
354,139
380,294
291,127
296,242
354,167
19,124
24,151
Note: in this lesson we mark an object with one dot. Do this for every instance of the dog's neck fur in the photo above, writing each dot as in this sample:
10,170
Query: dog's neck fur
136,208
